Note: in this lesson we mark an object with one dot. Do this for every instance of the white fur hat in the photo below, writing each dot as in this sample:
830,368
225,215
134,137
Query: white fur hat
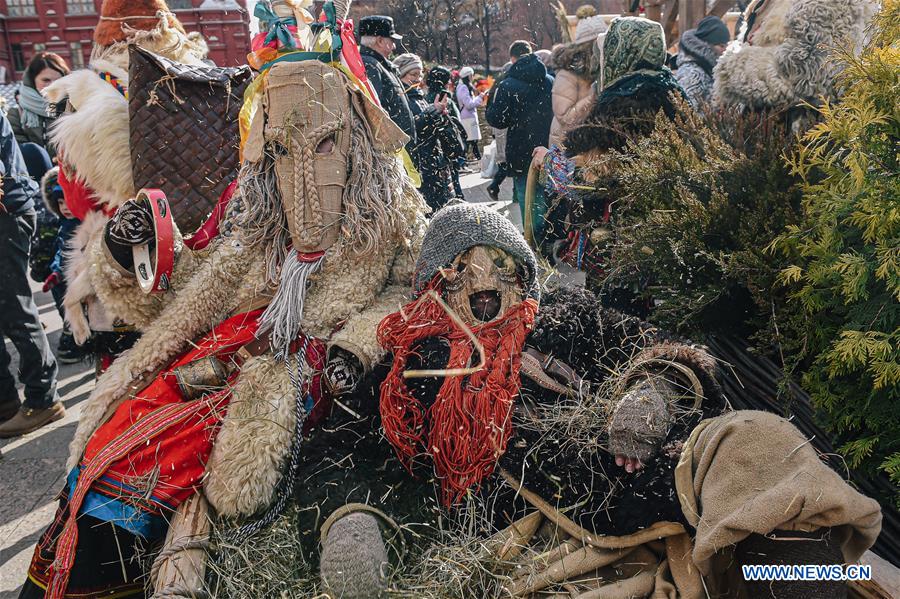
466,72
589,28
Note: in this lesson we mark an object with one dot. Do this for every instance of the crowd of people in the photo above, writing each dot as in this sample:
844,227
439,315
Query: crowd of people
538,96
342,304
37,227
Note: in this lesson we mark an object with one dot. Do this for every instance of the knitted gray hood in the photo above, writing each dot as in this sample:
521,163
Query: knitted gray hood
454,229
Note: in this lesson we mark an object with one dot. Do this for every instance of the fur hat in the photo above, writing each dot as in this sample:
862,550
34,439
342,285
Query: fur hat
147,23
51,191
406,63
119,17
466,72
589,28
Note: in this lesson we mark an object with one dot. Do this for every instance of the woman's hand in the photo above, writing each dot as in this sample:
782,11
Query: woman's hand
537,157
440,104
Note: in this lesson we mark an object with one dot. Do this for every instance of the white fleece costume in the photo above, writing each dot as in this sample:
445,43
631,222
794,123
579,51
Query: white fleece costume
781,59
93,142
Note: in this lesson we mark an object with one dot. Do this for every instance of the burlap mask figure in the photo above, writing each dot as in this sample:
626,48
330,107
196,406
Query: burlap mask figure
305,125
482,283
301,199
480,264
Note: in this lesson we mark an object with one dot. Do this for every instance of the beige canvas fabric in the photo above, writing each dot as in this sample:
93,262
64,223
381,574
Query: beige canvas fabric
741,473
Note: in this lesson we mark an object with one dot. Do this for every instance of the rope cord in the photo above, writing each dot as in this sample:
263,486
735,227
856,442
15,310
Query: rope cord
285,489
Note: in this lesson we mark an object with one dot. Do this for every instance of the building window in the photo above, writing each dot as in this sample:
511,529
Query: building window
80,7
77,52
18,57
21,8
180,4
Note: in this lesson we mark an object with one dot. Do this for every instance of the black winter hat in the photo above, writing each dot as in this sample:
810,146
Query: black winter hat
438,77
713,30
378,26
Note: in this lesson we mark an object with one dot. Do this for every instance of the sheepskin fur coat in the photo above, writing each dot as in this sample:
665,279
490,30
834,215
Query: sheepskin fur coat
208,286
781,57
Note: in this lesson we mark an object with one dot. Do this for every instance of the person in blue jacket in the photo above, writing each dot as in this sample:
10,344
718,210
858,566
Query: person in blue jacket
67,351
19,319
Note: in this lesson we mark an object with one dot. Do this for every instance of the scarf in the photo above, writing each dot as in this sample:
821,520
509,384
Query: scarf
33,105
470,422
632,45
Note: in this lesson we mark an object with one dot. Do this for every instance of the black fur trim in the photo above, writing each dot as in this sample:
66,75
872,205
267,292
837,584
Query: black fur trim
613,122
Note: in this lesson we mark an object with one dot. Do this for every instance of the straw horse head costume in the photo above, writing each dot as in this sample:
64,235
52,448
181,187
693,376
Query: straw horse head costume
211,404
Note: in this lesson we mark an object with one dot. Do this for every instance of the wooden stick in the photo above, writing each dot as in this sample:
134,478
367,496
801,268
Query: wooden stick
180,568
412,374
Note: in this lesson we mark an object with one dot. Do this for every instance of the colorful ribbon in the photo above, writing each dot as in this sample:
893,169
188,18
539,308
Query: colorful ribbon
115,82
276,26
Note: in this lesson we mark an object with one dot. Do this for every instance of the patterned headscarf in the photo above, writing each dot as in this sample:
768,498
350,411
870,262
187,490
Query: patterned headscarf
632,45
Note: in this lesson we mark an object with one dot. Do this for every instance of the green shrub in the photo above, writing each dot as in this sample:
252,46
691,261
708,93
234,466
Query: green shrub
697,201
844,272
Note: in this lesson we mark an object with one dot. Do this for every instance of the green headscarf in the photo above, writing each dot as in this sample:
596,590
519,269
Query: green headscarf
632,45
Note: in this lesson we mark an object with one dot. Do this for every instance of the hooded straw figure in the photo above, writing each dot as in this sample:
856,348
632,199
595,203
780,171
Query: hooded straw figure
91,135
603,440
256,333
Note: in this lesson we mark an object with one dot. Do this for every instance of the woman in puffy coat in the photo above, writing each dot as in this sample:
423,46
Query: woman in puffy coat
468,109
436,136
576,69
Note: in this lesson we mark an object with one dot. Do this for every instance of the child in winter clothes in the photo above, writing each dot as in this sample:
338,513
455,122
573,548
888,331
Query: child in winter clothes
67,352
469,102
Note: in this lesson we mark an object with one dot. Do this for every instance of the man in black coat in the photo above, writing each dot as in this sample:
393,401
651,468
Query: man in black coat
523,105
19,318
377,42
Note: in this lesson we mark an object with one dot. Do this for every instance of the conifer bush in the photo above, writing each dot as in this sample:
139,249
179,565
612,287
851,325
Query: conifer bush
844,272
696,203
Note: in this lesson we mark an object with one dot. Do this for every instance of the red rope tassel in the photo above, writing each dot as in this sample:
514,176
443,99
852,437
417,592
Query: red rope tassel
469,424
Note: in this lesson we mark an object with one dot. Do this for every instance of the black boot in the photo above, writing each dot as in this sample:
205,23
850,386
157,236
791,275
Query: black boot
68,352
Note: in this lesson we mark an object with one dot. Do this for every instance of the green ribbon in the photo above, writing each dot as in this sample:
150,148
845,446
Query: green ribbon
276,26
326,57
331,21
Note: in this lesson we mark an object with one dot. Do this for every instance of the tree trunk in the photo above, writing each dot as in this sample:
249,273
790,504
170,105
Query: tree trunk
487,39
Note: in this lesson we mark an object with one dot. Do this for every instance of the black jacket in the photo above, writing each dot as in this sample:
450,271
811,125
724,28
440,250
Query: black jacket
437,139
438,145
386,82
19,189
523,105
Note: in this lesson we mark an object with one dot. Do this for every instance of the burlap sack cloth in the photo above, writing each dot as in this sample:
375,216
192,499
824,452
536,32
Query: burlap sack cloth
741,473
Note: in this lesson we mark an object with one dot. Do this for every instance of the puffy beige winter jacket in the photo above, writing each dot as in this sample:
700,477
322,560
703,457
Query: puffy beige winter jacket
572,100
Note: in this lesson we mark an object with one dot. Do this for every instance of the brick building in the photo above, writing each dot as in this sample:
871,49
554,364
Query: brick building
66,27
